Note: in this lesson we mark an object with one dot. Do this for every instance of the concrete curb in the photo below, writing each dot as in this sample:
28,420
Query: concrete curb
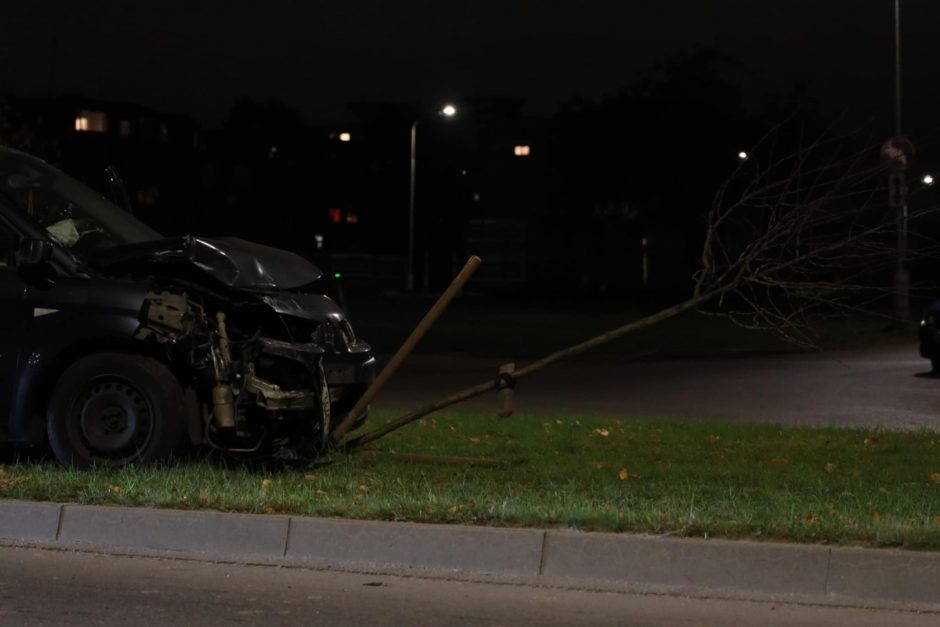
820,574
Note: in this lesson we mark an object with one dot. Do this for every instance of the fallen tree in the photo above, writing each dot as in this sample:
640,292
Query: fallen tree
787,238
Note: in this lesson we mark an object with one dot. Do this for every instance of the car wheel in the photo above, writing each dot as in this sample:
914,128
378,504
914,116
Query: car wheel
113,409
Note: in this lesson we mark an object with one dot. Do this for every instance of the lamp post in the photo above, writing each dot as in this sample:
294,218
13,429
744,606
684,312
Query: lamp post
897,185
448,111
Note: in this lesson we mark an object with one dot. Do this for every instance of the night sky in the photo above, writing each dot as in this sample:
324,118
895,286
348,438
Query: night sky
197,57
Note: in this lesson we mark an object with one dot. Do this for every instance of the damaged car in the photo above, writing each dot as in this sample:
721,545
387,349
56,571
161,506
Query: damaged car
120,346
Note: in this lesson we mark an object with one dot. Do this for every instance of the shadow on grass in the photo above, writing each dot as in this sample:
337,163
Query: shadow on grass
25,455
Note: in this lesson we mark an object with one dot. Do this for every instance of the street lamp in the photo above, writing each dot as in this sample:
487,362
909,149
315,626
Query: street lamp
897,186
447,111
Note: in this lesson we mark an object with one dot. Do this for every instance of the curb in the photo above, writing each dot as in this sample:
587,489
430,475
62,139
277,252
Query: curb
803,573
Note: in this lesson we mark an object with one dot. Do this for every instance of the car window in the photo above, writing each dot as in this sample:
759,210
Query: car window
73,215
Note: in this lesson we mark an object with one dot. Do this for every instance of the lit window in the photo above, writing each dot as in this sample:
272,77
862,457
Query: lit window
345,137
522,150
96,121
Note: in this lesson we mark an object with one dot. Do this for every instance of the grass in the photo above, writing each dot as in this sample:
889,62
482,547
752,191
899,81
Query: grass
848,486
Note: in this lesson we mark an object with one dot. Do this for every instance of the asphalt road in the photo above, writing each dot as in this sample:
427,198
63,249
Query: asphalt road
889,387
43,587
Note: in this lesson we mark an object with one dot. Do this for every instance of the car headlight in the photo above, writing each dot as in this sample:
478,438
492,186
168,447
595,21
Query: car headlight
348,334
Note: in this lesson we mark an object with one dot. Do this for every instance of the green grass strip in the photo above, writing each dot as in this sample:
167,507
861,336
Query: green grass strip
846,486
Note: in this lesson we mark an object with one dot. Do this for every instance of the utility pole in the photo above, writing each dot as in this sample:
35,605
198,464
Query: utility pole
897,185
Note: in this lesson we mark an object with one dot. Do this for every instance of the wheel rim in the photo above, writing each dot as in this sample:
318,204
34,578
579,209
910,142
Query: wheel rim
114,419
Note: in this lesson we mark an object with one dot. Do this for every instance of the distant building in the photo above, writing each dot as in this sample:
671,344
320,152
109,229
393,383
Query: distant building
158,155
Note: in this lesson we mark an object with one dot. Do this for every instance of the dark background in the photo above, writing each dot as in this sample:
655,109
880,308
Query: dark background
634,113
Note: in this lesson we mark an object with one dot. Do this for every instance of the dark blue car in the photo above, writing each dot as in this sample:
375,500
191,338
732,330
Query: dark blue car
119,345
929,334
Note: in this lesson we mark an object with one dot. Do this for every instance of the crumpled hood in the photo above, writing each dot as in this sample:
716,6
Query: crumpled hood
234,262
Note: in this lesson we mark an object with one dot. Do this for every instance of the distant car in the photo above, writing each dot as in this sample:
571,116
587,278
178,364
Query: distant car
929,335
119,345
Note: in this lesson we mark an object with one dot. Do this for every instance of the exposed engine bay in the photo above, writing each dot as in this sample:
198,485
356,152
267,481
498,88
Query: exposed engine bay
268,373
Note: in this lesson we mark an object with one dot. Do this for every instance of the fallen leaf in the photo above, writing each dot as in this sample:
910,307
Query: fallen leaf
321,492
810,518
115,488
877,517
430,510
935,477
471,504
936,520
363,488
600,465
714,439
623,474
475,440
453,510
310,477
830,467
779,461
265,484
870,440
602,432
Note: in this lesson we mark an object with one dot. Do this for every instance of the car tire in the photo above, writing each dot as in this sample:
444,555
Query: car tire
114,409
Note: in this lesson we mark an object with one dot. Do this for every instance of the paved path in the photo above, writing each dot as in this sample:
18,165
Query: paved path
41,587
872,387
535,557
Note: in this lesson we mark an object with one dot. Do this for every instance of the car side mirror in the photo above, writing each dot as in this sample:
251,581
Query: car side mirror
33,261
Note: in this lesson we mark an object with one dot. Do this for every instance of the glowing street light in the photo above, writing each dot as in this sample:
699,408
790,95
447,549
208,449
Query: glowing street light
742,156
345,137
927,180
447,111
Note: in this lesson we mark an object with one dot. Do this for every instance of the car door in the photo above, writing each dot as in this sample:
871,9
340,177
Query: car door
14,317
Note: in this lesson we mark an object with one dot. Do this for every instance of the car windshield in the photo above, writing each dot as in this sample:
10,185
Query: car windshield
74,216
